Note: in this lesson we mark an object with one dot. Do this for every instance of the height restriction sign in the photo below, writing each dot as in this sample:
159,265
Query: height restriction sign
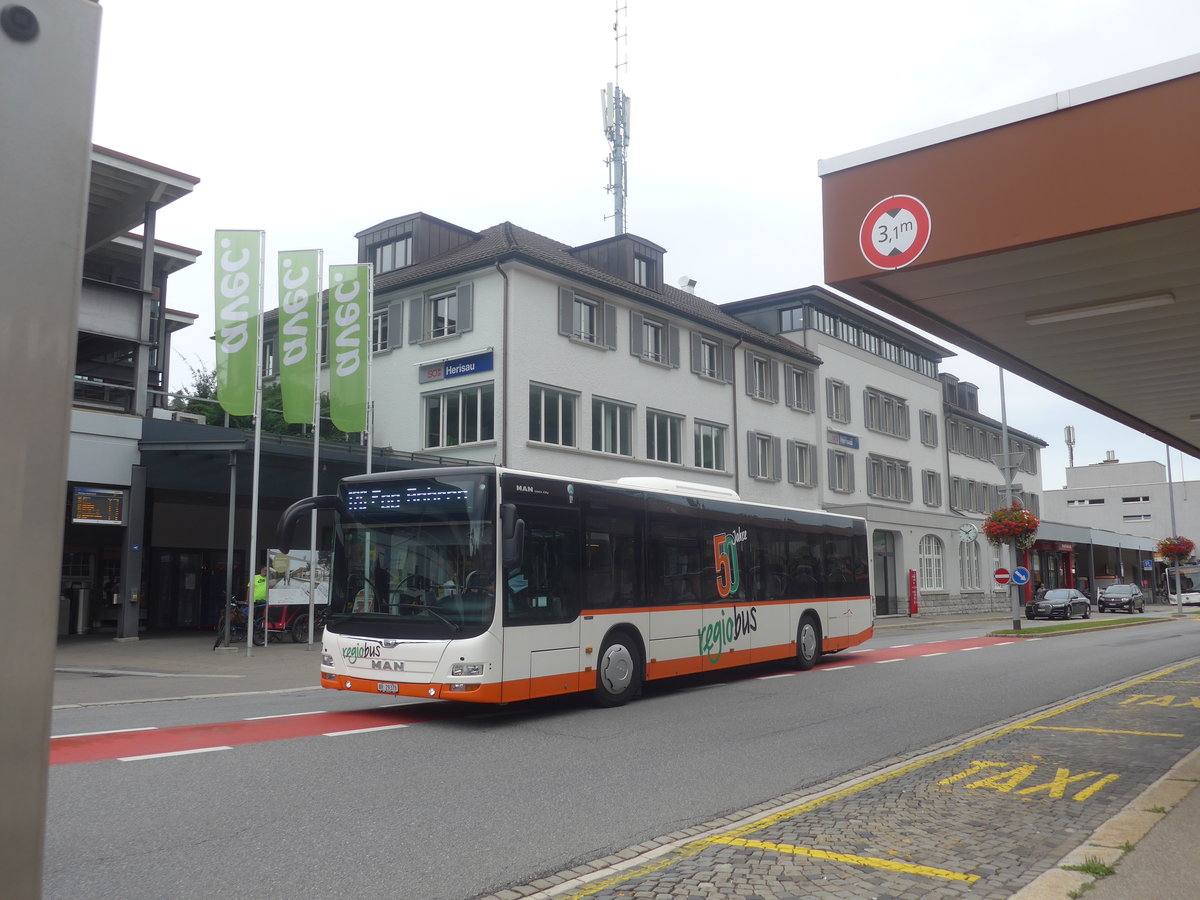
895,232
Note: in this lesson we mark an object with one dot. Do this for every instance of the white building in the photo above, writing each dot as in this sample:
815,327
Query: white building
505,346
1134,498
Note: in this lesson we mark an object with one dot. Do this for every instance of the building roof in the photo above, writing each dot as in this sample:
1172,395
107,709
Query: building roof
508,242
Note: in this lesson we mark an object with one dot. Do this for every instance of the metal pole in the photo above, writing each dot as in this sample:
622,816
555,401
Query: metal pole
1014,589
229,551
1171,495
312,519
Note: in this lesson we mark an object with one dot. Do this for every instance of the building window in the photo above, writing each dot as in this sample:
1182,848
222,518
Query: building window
379,330
1092,502
1142,499
761,375
802,463
712,358
837,398
612,427
886,413
268,358
791,319
929,428
840,474
441,314
1140,517
664,436
798,388
889,479
586,319
643,271
459,417
552,415
393,255
653,340
969,566
929,556
763,459
931,487
710,446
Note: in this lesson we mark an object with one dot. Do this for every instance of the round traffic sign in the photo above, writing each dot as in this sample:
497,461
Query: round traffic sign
1020,575
1002,576
895,232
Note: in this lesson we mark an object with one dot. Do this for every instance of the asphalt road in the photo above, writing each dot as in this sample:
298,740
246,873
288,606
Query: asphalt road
464,805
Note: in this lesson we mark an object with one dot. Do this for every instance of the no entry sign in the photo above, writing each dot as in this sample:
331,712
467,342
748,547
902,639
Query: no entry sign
895,232
1002,576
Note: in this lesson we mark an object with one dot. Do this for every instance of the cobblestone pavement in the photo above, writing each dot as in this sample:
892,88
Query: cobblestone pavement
982,817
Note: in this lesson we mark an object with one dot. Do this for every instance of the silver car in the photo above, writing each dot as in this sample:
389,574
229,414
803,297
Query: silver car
1059,603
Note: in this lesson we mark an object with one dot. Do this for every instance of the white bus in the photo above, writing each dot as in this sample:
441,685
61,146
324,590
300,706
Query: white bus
489,585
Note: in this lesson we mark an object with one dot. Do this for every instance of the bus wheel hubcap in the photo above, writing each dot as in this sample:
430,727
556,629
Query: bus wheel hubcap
808,641
616,669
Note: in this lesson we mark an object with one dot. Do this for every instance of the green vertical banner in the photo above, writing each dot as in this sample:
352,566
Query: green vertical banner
238,291
349,345
299,326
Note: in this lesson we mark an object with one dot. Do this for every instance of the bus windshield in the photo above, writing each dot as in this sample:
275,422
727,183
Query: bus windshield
415,558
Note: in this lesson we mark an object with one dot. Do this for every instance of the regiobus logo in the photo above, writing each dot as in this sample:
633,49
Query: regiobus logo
725,560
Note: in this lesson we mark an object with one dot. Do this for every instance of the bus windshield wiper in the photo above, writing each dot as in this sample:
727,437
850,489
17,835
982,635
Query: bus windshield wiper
433,612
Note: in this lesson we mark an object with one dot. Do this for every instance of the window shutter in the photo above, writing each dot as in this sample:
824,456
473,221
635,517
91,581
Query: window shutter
829,405
793,472
776,458
831,467
416,320
849,472
727,363
752,454
695,351
773,386
396,324
466,307
635,333
789,387
751,387
566,306
673,346
610,326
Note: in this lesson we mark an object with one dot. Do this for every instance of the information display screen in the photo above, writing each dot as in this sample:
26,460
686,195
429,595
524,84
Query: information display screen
97,506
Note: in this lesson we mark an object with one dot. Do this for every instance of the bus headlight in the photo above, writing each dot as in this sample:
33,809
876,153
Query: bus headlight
327,659
458,670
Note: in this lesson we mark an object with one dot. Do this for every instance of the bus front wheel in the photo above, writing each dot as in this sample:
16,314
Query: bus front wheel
618,670
808,642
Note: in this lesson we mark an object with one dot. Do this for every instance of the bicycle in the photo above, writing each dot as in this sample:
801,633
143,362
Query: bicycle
237,626
299,626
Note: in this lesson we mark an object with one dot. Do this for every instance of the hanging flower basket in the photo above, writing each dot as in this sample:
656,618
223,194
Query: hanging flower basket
1176,549
1015,525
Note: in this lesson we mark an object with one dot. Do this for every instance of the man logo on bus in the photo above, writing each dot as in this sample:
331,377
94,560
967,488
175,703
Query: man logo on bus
725,560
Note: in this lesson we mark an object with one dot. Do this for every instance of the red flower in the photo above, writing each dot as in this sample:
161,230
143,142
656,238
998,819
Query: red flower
1015,525
1176,548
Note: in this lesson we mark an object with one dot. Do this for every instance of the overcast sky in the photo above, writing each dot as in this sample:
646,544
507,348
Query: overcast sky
313,121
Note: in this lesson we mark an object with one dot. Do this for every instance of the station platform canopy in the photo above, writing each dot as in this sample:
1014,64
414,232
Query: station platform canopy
1059,239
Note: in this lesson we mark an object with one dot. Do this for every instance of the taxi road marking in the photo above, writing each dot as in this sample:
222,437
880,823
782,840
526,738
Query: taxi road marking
691,849
852,859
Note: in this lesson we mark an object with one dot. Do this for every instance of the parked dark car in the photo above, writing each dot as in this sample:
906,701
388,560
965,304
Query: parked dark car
1059,603
1125,597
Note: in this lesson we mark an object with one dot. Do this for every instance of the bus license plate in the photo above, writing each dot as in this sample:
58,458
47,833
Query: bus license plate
387,688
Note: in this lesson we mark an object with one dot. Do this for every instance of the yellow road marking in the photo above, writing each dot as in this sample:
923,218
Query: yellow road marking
853,859
1099,731
694,848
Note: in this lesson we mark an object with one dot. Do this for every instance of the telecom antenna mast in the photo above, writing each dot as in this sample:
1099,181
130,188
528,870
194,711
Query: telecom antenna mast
616,123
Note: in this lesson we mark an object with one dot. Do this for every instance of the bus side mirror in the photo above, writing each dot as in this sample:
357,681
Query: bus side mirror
299,509
512,534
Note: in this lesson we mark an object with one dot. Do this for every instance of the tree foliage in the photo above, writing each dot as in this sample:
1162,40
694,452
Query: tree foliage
200,398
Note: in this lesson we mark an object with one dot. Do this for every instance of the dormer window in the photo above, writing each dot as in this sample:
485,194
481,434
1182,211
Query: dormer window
643,271
393,254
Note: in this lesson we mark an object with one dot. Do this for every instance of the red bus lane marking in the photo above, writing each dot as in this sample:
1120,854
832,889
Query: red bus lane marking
149,743
909,651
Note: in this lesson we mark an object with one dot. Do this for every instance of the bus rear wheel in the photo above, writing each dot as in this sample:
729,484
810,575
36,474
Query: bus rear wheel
618,670
808,642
